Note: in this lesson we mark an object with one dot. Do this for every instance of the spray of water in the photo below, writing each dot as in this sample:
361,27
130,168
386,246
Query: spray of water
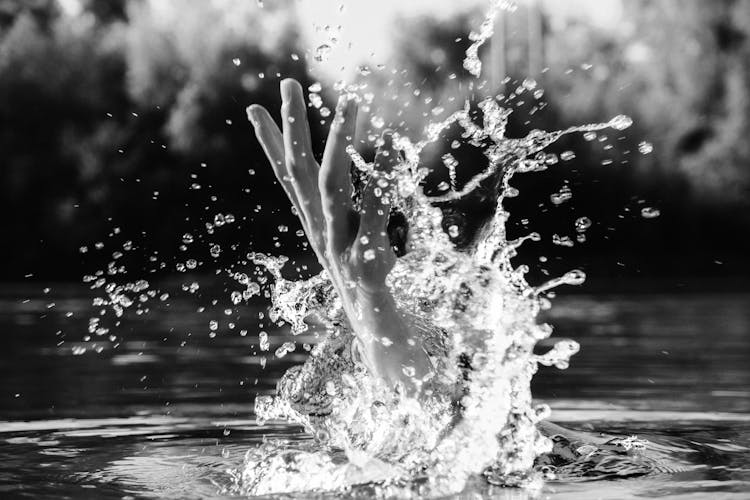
475,313
477,318
472,63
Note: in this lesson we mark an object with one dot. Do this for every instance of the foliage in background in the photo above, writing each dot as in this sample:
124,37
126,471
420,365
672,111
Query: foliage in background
113,116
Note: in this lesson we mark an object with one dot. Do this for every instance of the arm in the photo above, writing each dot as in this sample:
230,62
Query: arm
352,246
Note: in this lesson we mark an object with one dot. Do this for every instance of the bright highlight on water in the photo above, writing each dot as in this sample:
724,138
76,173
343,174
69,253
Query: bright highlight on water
475,314
477,322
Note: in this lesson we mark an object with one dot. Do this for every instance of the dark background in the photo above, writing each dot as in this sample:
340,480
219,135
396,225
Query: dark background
108,117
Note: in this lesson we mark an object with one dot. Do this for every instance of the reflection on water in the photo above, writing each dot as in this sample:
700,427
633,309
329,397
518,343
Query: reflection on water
167,412
655,352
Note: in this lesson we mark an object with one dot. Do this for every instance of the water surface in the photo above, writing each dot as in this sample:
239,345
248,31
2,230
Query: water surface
166,413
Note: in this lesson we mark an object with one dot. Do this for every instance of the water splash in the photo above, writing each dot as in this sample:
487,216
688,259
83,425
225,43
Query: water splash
650,212
474,311
472,63
476,316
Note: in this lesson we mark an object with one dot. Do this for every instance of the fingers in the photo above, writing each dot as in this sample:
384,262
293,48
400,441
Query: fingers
270,139
301,165
376,200
335,183
297,150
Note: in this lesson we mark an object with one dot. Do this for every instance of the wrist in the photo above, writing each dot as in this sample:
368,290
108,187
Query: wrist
378,303
371,294
379,315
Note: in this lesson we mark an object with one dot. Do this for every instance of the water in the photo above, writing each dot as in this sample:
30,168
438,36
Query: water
472,312
474,430
671,369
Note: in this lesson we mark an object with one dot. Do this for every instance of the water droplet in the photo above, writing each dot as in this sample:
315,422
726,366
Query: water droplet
562,196
574,277
563,241
252,289
330,388
449,160
567,155
264,344
322,52
620,122
582,224
285,349
542,412
645,147
650,212
377,121
315,100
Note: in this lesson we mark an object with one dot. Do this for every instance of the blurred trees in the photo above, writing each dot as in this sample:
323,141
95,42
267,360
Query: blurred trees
42,11
106,11
49,99
708,83
132,112
108,120
680,69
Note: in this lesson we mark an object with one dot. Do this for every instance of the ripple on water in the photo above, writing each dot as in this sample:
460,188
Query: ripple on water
164,457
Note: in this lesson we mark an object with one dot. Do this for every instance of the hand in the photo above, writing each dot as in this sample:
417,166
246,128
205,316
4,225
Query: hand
352,246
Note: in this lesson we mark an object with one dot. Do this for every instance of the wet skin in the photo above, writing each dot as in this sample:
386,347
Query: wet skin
352,245
322,197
